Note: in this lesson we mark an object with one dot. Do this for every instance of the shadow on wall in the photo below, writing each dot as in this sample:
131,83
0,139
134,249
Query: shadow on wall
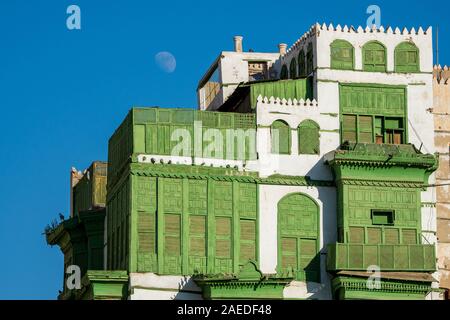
188,290
328,198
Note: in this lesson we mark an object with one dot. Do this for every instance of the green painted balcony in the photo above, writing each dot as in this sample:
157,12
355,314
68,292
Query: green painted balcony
389,257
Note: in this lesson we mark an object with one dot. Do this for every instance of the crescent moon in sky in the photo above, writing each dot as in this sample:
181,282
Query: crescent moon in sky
166,61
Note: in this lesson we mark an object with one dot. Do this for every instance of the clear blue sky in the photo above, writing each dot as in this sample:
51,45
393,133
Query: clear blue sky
62,93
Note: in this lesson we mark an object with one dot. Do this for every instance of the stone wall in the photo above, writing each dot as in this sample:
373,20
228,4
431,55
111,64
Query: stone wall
441,111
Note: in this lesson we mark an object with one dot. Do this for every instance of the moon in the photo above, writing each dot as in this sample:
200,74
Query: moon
166,61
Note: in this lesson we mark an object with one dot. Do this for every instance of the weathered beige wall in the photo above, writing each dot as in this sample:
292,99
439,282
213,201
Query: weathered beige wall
441,110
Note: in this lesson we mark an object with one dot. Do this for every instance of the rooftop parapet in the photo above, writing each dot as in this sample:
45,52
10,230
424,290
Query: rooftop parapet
441,74
317,28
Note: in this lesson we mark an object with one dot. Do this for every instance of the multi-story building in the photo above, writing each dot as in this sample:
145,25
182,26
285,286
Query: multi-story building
306,173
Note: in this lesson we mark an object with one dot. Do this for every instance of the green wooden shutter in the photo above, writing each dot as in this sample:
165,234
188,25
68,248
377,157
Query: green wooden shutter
293,69
391,236
146,232
341,55
365,129
374,57
309,262
139,138
281,137
289,253
407,58
308,138
248,240
197,236
374,235
409,236
356,235
163,139
223,237
349,128
172,231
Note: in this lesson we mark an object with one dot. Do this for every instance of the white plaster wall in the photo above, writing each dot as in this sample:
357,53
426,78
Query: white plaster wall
148,294
234,65
293,114
233,68
269,196
149,286
420,121
429,225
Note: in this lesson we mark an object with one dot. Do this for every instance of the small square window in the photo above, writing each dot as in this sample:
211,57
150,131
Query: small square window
383,217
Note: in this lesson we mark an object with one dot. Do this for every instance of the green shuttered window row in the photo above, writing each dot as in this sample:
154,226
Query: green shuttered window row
287,89
382,235
373,114
373,129
308,137
374,55
189,132
205,226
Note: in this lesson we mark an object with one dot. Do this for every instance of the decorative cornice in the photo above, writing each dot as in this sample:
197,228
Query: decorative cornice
381,183
273,180
402,286
383,155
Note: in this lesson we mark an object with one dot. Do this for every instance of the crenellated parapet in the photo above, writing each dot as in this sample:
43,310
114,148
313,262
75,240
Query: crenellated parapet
313,49
287,102
441,74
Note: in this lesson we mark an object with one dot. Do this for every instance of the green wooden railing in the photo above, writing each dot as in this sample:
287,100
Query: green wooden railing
395,257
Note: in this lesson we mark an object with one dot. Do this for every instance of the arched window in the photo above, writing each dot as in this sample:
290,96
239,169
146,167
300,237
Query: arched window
374,57
407,57
298,237
308,137
284,72
301,64
280,137
309,60
293,69
342,54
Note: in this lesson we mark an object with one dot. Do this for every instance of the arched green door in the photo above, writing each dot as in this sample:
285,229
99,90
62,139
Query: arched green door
298,237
